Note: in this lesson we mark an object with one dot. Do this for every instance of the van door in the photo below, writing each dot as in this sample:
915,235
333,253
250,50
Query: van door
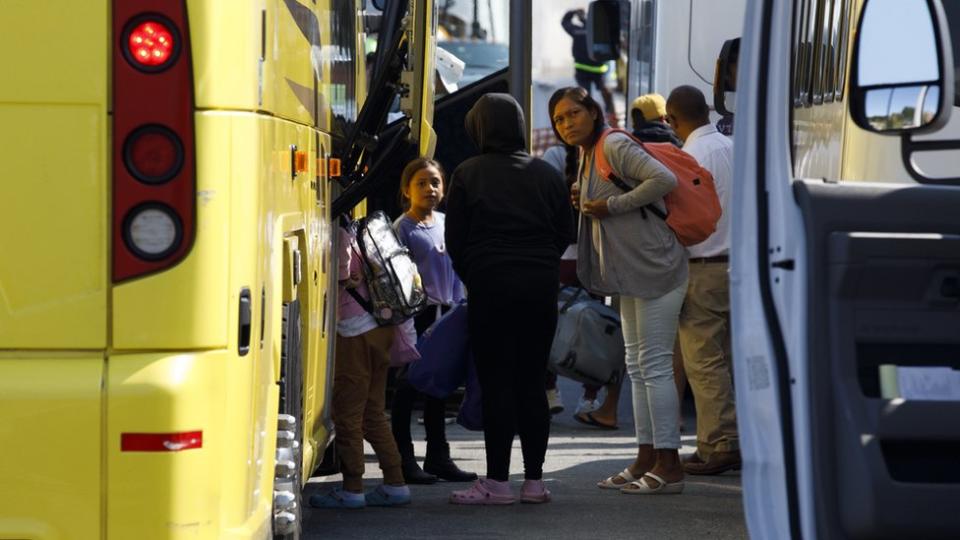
838,288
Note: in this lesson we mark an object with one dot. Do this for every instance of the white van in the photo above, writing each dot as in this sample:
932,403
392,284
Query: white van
845,271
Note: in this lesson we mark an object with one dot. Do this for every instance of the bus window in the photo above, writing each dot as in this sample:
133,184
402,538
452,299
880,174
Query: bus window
842,10
815,39
802,54
341,90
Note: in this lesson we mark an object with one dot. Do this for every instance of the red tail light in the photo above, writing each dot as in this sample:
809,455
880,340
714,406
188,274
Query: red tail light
151,43
154,185
153,154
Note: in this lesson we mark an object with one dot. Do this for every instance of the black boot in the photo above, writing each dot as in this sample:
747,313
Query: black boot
438,463
412,473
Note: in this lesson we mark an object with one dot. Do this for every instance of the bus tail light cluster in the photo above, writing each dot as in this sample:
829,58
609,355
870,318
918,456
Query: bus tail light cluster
154,169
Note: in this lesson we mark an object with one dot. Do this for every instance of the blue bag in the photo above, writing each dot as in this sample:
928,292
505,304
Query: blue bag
471,409
444,354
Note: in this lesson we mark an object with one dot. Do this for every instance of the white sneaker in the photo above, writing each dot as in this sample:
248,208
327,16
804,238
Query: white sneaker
553,399
587,406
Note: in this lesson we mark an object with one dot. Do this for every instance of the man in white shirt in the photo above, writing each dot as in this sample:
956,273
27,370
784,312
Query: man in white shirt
705,317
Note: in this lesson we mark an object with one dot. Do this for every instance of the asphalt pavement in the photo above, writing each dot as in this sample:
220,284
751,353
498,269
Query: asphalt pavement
578,456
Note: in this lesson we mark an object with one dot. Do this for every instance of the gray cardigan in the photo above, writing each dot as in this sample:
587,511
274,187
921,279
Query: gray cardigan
624,253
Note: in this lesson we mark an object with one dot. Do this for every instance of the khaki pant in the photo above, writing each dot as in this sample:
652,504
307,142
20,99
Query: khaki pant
359,385
705,342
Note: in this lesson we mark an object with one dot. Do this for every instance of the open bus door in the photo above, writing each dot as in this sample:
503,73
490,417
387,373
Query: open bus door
405,60
838,287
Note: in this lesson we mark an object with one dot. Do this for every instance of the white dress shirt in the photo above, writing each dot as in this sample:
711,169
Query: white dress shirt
714,151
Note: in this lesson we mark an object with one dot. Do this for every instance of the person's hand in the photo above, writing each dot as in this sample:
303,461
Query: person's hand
575,195
581,13
353,281
596,208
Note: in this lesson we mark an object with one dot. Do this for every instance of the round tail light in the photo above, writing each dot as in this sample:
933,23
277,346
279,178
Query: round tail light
152,231
150,43
153,154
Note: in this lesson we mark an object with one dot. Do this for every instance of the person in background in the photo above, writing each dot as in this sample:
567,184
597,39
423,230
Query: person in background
625,251
587,72
359,385
508,222
649,115
421,229
705,317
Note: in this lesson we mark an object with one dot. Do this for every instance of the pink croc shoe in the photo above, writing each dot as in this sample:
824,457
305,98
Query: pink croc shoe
484,491
534,492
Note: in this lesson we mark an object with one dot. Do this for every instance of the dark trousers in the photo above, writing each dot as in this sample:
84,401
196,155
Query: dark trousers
404,398
512,319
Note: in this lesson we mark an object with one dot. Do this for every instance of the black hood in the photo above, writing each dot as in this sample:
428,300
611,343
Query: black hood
656,132
495,124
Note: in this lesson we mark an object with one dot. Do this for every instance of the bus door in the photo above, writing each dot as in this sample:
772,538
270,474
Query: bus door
846,295
396,119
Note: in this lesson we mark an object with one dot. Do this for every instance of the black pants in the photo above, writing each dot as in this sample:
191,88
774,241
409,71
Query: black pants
512,319
404,397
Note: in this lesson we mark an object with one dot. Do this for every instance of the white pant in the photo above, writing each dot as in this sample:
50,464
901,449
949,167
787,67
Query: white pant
649,333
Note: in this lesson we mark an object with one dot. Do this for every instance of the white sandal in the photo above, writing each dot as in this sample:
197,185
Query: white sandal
641,487
609,483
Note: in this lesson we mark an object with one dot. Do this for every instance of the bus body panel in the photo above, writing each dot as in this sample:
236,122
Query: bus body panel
226,43
53,272
191,493
258,57
50,461
53,109
189,305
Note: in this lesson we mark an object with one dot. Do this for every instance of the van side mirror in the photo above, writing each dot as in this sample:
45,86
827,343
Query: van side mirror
902,74
725,77
603,30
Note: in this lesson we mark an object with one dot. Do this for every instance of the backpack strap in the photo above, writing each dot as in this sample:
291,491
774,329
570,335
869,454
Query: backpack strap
605,170
364,303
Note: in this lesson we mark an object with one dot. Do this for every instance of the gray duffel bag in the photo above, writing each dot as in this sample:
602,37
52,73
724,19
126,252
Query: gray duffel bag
588,344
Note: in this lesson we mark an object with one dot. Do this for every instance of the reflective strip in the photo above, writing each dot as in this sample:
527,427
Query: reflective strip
592,69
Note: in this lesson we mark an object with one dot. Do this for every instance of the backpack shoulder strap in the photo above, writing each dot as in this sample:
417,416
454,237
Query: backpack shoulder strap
606,172
604,169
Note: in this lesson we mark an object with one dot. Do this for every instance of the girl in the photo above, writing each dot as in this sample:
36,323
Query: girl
359,385
420,228
626,251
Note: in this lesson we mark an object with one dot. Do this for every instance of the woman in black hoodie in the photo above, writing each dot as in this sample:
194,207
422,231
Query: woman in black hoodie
508,221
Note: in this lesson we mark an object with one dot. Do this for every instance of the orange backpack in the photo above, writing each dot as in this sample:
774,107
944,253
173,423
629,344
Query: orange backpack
693,207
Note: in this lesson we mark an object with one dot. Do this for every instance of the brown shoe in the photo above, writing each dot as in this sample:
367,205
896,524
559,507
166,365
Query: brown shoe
718,462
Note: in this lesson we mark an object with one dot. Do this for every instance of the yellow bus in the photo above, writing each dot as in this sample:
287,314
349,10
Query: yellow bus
167,294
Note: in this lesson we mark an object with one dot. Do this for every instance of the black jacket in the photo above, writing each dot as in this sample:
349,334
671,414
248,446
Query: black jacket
656,132
579,34
505,208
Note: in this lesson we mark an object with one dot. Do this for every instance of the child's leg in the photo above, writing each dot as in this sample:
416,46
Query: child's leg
376,429
404,396
351,385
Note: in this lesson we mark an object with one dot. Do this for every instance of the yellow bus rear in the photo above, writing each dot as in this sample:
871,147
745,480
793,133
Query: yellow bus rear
165,299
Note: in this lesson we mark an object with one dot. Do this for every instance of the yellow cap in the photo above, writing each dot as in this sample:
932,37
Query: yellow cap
652,106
